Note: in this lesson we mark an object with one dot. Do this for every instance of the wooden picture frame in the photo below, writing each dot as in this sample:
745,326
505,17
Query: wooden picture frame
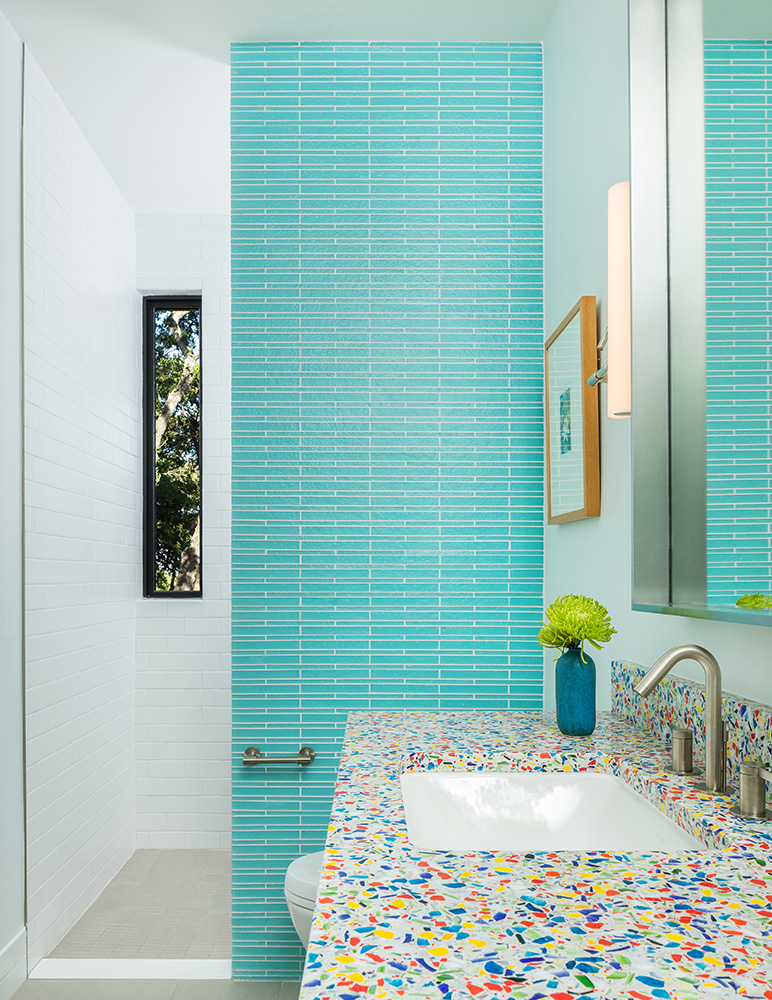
571,417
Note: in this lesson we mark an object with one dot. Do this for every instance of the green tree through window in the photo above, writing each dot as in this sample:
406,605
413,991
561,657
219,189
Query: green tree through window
173,442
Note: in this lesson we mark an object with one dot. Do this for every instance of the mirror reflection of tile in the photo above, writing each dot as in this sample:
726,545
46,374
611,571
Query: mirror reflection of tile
738,162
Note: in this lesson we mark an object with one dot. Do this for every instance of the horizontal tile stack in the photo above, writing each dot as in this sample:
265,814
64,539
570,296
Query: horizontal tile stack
387,415
738,117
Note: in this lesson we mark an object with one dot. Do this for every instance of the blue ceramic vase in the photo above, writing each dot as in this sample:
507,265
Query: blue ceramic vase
575,693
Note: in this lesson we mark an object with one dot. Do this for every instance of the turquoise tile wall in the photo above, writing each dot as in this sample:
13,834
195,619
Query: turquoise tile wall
387,416
738,89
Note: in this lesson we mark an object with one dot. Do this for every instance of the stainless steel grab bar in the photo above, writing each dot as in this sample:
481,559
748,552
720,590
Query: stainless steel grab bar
253,756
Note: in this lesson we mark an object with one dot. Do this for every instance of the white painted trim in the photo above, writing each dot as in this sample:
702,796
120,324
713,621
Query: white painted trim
131,968
13,964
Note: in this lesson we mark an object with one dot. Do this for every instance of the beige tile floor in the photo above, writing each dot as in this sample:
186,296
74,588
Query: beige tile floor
161,904
141,989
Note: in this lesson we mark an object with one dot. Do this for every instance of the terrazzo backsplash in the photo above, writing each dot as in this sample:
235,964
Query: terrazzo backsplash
679,702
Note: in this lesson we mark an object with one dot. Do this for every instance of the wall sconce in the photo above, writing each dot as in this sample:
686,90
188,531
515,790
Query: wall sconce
616,371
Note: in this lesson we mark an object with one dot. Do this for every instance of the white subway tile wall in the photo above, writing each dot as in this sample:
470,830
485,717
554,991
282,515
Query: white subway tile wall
13,965
83,516
183,646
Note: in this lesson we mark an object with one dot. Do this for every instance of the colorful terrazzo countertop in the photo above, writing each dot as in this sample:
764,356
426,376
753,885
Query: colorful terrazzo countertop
393,921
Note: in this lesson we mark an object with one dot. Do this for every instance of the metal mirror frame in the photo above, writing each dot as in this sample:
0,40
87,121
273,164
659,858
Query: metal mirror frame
667,219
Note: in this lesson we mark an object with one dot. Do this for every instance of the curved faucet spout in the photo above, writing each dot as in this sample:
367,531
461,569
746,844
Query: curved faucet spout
715,772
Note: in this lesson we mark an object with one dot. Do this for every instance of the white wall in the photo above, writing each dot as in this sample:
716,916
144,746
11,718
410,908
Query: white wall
83,514
183,646
587,150
12,939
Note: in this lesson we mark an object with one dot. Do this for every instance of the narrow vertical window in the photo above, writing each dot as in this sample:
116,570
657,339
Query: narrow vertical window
172,428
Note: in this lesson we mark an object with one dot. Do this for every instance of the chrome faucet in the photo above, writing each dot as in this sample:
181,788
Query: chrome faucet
715,755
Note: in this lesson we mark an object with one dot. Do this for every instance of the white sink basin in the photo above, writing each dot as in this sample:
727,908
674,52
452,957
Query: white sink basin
534,811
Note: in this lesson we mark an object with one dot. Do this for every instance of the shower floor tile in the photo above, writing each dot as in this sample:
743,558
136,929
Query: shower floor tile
161,904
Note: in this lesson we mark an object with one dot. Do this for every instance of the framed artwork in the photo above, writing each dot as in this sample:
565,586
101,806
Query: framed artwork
571,405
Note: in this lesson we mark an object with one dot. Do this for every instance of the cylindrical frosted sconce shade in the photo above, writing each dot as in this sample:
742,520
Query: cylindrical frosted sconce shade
618,300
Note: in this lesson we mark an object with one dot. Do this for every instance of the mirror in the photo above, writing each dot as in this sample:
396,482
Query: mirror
701,209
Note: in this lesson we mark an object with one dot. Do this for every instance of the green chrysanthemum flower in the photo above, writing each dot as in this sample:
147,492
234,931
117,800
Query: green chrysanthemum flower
755,602
572,620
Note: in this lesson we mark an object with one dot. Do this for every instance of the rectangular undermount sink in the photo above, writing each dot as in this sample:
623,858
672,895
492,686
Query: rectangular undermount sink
534,811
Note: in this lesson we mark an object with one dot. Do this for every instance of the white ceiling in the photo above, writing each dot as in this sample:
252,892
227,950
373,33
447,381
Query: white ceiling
148,80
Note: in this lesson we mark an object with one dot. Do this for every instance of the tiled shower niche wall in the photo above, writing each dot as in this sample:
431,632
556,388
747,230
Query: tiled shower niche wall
387,421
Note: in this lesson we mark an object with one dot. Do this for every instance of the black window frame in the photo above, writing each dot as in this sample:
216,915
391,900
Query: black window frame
150,303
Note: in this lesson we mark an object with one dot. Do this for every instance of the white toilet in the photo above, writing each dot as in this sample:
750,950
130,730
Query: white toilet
301,884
